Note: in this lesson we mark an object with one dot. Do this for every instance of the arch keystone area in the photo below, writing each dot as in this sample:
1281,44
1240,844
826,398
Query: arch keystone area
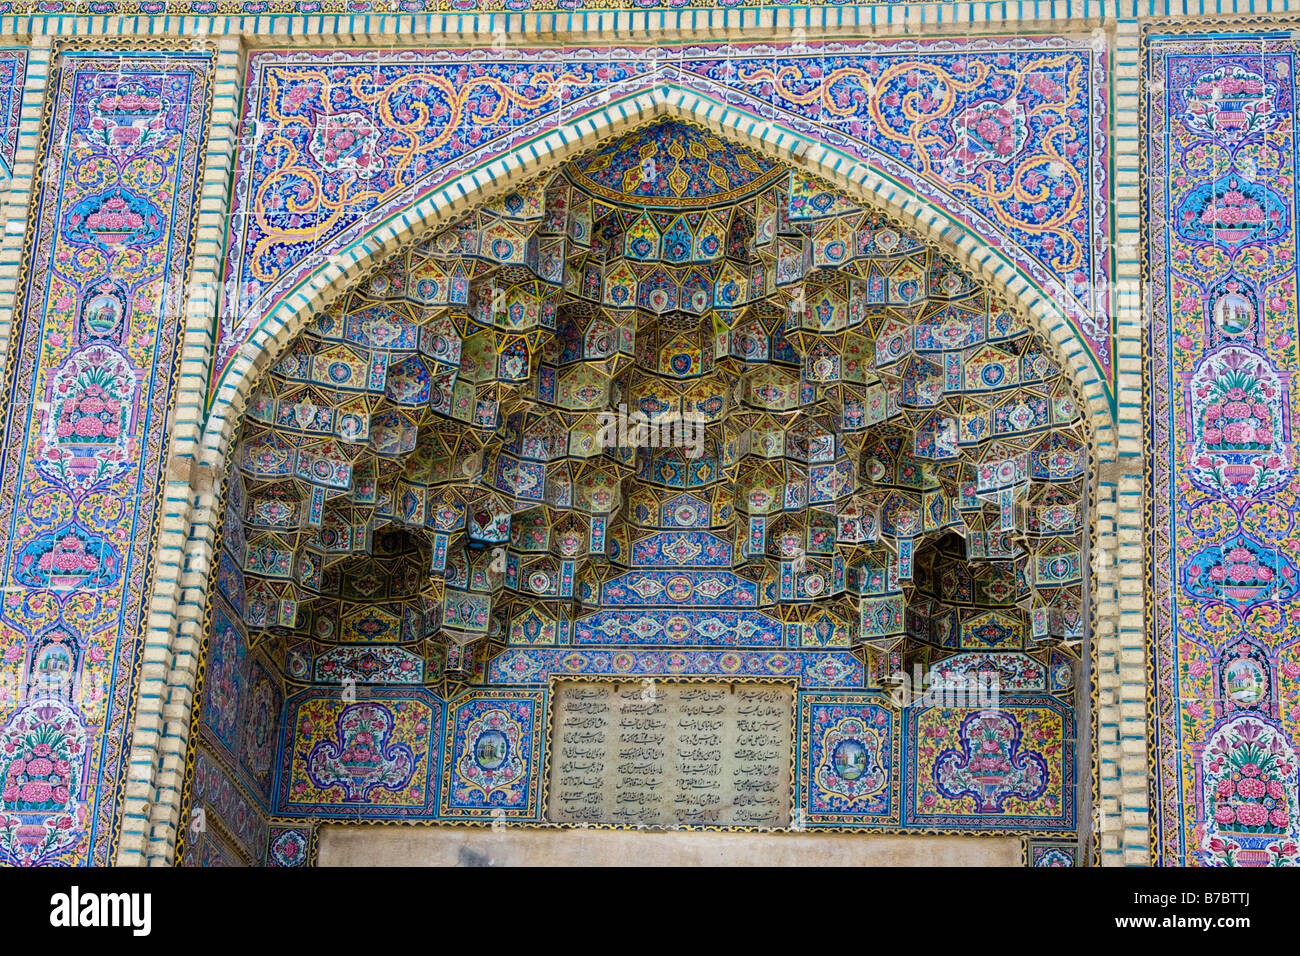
768,136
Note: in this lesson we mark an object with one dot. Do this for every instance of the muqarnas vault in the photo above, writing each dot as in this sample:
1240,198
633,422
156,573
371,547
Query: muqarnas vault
428,504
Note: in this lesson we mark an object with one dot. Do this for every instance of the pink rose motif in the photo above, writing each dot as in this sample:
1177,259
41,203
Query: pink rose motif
36,792
1238,433
1241,573
1250,788
1252,815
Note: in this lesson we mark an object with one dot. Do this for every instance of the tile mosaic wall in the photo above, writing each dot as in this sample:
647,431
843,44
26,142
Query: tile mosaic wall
93,362
90,376
929,115
1009,133
1220,179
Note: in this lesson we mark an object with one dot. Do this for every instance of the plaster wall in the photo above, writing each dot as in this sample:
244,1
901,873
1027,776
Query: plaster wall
400,846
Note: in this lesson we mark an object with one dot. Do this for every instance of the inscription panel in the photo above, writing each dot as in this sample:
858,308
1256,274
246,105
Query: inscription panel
669,755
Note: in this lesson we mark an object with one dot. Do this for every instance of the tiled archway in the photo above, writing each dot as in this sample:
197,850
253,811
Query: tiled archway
292,313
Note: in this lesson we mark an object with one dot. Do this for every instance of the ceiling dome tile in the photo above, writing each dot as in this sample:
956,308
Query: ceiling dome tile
675,165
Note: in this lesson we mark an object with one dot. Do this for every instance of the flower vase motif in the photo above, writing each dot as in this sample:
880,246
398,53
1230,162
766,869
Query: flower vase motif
1249,795
1239,423
42,758
66,560
127,120
990,765
114,219
91,417
1232,211
1241,572
1230,104
362,758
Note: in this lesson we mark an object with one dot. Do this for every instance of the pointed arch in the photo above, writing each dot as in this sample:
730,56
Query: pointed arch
294,309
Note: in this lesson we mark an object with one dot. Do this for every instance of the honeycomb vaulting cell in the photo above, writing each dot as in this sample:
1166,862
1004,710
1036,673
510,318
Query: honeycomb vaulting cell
674,394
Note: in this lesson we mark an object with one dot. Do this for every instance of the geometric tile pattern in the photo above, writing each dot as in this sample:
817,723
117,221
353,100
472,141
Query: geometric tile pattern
813,668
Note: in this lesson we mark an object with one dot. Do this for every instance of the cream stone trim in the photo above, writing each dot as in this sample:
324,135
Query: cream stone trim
173,631
1120,622
17,192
